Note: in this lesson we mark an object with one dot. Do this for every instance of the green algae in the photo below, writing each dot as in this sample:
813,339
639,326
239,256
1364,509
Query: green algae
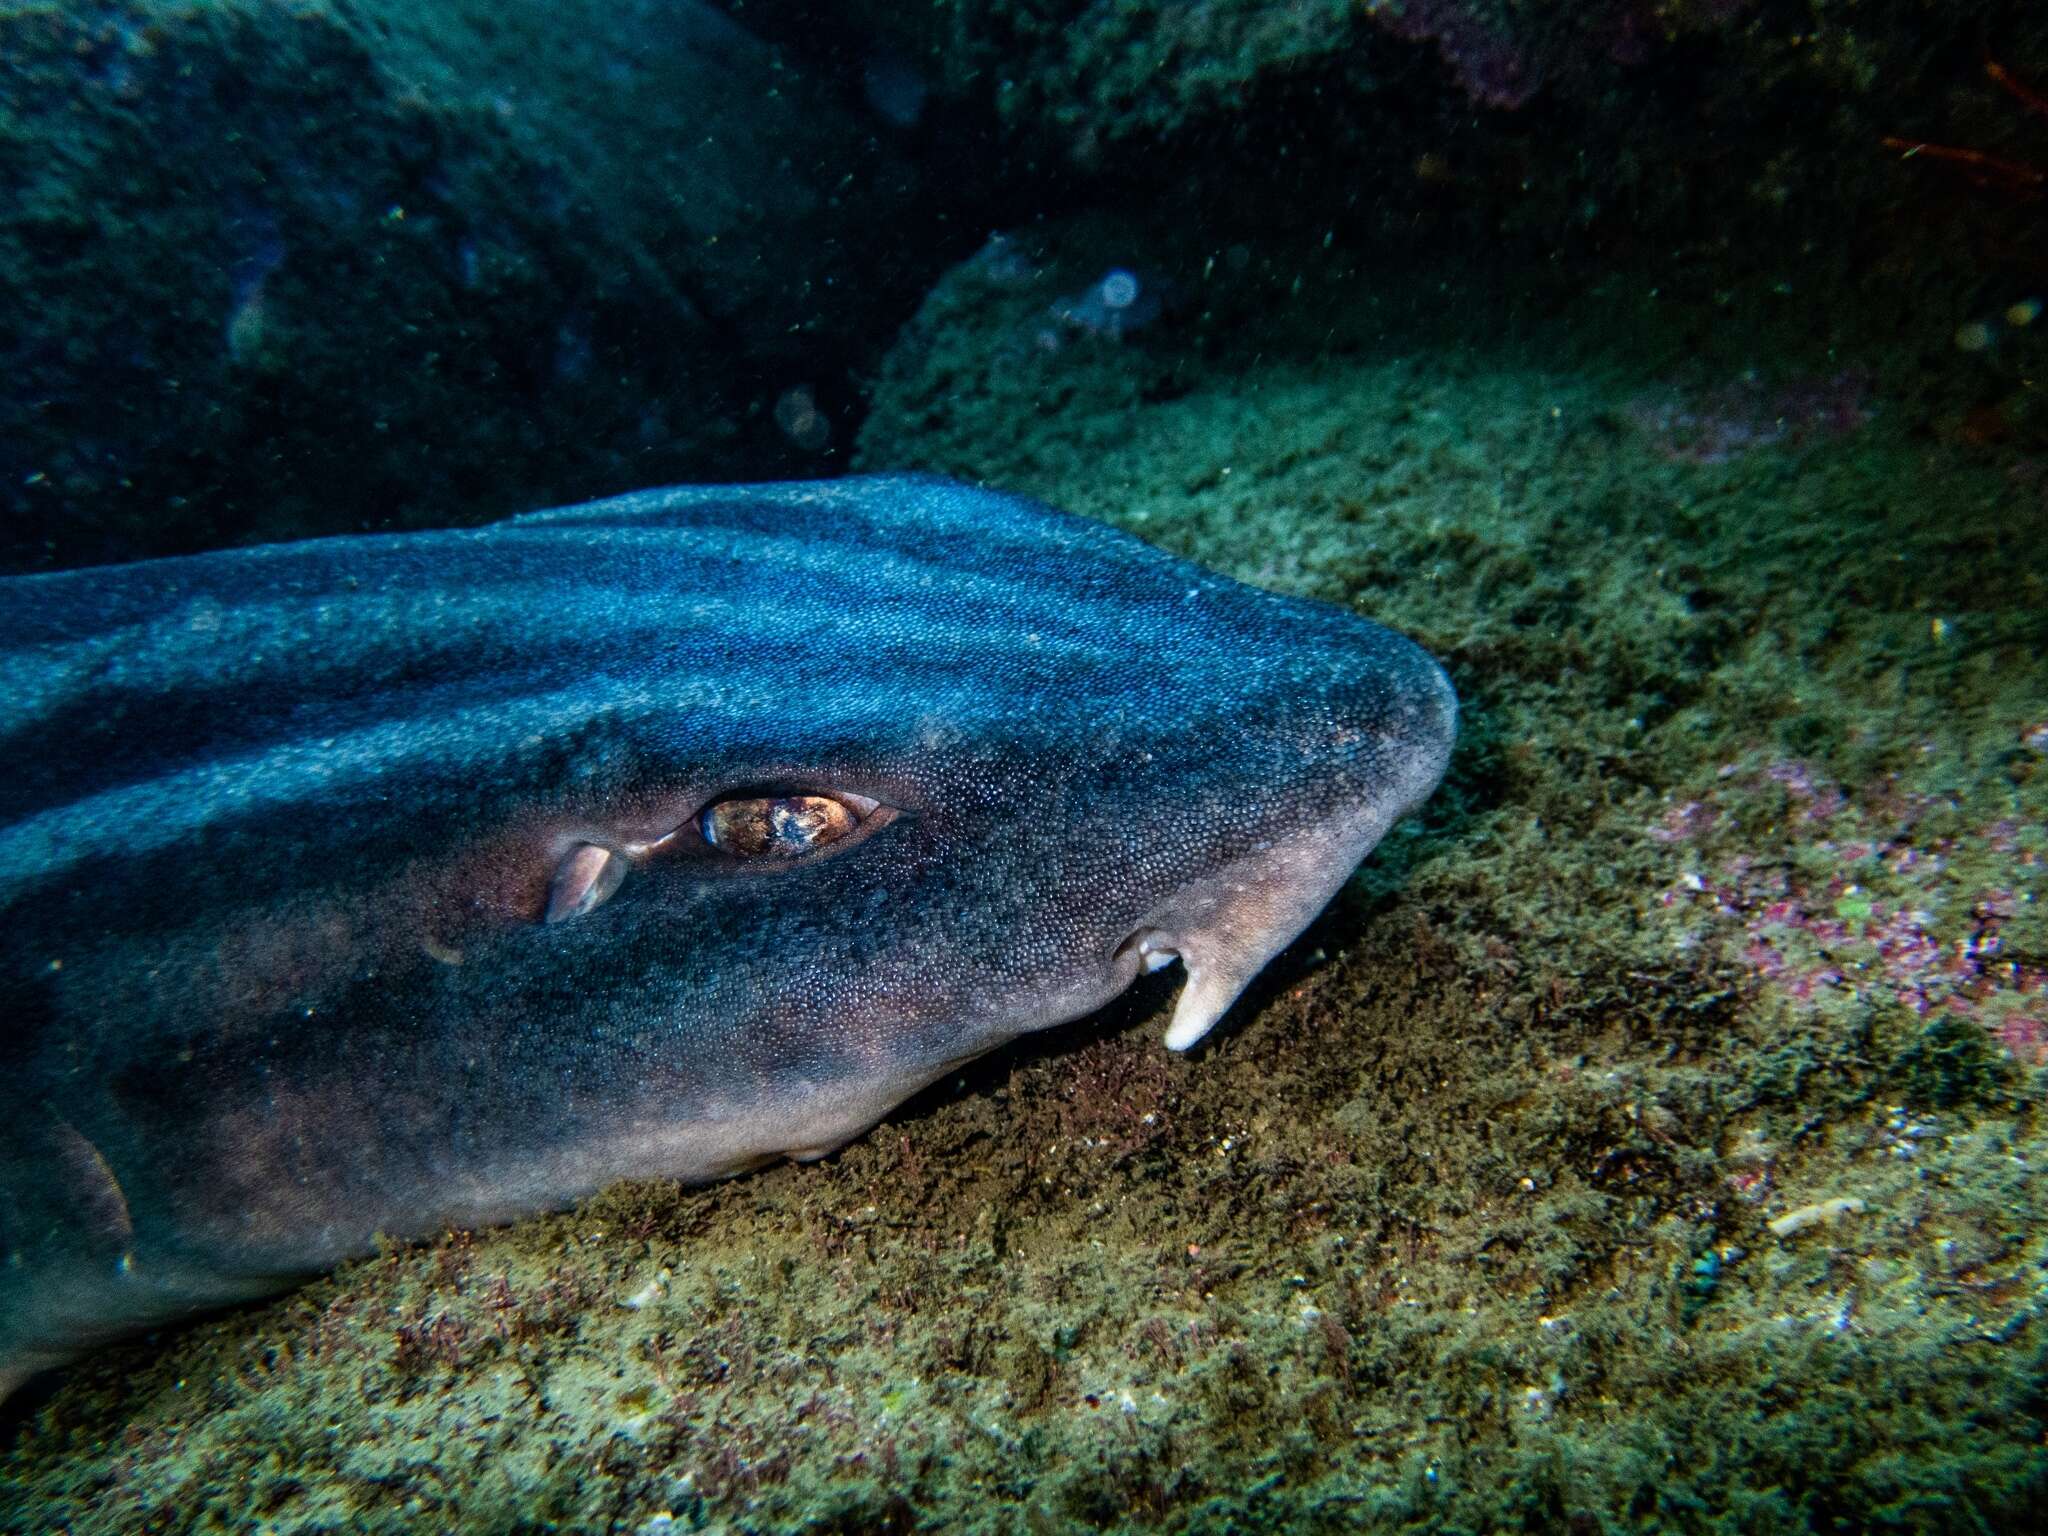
1465,1223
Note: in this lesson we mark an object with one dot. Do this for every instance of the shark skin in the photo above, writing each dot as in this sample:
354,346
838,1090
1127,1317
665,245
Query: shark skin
370,887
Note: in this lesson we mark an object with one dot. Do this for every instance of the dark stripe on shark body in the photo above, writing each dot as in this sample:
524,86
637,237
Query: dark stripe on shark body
132,733
685,547
521,627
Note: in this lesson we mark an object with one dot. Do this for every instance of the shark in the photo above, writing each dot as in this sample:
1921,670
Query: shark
358,889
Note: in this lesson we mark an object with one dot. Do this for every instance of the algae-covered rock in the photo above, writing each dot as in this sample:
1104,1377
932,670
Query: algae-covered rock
1759,159
1589,1166
271,270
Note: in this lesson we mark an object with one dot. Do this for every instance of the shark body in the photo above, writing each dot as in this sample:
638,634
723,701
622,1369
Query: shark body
375,886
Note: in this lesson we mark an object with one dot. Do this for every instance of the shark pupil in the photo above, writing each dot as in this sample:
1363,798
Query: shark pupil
776,826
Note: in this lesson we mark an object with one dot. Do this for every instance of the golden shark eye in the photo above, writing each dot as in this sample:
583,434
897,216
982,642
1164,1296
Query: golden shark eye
781,826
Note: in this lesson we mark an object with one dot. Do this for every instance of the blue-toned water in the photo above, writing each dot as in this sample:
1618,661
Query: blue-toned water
854,1004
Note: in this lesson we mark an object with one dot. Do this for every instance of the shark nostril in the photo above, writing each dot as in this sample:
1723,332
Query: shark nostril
1155,951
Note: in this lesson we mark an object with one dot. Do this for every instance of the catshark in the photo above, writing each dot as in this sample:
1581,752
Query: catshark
368,887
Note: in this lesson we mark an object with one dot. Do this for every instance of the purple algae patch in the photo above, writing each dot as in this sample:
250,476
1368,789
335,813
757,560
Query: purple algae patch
1877,895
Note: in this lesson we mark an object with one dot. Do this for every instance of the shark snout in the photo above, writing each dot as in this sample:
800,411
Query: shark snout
1365,752
1227,925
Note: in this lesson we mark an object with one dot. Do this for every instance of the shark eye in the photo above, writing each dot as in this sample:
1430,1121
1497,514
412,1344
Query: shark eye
760,828
782,826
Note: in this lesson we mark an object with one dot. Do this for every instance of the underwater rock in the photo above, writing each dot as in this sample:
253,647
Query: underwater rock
273,271
1092,77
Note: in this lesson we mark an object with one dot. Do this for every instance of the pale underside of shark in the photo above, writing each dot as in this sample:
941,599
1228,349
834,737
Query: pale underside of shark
370,887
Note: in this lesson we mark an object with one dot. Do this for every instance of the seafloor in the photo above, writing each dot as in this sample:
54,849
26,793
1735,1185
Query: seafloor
1650,1138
